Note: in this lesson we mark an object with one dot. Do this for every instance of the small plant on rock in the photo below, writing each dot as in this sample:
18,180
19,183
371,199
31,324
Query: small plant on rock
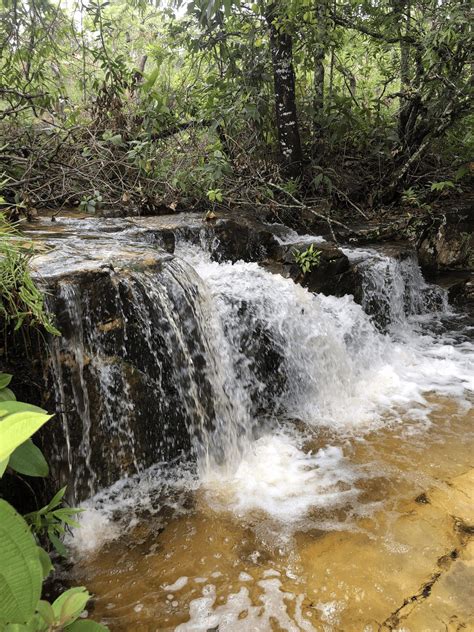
307,259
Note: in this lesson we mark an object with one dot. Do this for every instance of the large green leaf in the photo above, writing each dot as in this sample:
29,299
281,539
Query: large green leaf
17,428
21,573
70,604
10,407
29,460
46,612
45,562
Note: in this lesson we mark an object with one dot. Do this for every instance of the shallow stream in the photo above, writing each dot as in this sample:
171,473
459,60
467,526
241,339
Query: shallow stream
332,488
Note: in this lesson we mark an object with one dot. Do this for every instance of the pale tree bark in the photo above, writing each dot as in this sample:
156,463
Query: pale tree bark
281,46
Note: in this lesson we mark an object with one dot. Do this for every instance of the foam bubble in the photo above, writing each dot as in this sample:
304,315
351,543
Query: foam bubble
278,477
95,528
179,584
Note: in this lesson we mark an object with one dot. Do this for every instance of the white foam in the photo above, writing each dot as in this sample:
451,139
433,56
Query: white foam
245,577
340,370
279,478
95,529
114,511
330,611
239,614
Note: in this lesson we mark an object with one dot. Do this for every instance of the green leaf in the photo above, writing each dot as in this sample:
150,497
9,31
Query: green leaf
461,172
45,561
70,604
56,499
85,625
3,466
29,460
21,573
17,428
5,379
318,180
57,543
10,407
6,395
151,79
45,610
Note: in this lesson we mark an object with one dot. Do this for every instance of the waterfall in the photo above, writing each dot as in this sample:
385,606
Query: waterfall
141,373
222,359
393,287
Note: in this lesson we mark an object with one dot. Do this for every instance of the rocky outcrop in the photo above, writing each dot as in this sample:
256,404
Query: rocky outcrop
459,286
112,375
461,293
127,380
325,276
129,372
225,238
447,242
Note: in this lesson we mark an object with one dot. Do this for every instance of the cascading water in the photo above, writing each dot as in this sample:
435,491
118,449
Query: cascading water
140,370
393,288
244,354
271,387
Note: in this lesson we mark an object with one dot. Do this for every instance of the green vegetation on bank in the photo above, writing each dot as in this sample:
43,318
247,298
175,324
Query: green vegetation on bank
21,302
24,564
130,106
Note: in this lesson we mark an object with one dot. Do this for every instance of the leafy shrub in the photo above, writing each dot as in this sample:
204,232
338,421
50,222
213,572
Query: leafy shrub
23,564
21,302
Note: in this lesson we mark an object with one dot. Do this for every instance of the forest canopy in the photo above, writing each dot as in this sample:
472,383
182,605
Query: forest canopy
132,106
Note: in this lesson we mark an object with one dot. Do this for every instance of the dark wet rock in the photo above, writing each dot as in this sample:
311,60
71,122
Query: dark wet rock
225,238
264,356
112,374
447,242
351,282
459,285
422,499
325,277
462,292
248,242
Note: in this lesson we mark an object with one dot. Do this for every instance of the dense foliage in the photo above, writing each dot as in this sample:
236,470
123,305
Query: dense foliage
24,564
21,302
124,104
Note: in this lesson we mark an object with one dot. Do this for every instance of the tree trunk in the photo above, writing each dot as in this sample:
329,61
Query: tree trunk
137,77
319,55
285,99
402,10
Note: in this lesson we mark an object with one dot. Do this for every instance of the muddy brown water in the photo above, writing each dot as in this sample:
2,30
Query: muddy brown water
406,563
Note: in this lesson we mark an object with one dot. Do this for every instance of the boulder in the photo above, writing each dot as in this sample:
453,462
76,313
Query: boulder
447,242
325,277
226,238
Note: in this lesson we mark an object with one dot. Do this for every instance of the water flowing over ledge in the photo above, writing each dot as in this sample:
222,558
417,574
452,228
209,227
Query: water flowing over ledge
200,382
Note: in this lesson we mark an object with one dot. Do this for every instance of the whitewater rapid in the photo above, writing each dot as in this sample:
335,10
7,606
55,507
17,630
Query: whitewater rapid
330,369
